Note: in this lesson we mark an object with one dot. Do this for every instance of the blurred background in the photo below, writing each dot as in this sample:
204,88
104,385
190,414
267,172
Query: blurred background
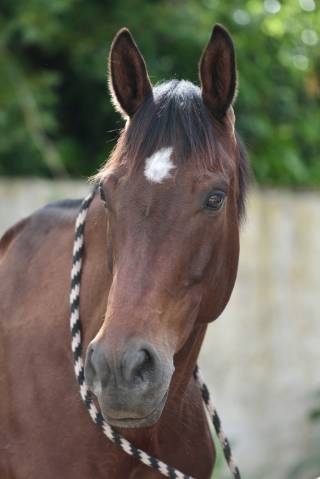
57,126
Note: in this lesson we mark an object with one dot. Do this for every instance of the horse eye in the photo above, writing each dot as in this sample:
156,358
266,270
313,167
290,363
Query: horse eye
103,196
214,201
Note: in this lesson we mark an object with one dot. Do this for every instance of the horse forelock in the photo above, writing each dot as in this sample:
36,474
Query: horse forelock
174,116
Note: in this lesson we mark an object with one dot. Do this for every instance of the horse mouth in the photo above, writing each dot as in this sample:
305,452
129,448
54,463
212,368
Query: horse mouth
137,422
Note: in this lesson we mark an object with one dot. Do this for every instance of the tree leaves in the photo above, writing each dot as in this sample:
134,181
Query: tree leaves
55,114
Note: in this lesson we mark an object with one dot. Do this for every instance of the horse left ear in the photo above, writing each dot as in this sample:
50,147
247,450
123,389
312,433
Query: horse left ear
217,71
129,82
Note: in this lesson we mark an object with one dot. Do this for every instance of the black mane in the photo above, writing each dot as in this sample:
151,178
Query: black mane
176,115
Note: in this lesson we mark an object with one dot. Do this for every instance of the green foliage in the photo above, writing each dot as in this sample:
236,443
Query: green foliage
55,116
309,466
221,470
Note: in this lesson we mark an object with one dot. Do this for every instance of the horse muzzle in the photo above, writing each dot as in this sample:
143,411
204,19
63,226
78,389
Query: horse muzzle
131,385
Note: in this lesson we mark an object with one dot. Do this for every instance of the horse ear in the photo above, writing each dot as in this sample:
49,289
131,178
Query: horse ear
217,71
129,82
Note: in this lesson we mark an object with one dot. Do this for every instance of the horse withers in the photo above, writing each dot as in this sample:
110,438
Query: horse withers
160,263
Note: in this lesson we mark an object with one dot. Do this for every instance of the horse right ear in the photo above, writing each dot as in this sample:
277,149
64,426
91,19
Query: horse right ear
217,72
129,82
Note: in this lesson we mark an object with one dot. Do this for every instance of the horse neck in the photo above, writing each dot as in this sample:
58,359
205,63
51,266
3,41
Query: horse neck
185,360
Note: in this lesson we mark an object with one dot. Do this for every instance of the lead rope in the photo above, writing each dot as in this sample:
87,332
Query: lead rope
86,395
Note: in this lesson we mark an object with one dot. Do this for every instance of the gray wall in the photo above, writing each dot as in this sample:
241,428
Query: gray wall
261,358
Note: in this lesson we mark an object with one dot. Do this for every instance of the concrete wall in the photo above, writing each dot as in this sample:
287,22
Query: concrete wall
261,359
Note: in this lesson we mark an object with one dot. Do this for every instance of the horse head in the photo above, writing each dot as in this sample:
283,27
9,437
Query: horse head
174,196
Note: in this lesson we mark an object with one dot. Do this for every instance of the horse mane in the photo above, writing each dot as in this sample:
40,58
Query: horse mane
174,115
244,176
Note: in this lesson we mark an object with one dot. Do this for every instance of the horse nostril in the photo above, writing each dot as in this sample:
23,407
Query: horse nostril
138,366
89,369
97,371
143,364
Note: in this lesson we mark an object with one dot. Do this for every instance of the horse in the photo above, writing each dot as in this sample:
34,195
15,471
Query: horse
160,263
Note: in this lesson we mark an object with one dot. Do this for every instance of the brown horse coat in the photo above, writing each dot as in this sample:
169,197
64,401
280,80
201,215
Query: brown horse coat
45,430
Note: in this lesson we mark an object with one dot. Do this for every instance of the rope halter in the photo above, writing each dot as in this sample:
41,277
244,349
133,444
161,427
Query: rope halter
86,395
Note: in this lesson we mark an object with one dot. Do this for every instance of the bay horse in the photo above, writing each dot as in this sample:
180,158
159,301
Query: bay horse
160,263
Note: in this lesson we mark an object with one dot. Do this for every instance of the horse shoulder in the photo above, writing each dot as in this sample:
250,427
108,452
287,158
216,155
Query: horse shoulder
10,235
30,252
53,214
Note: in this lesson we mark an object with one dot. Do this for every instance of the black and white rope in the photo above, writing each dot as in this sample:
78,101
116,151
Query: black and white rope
86,395
216,423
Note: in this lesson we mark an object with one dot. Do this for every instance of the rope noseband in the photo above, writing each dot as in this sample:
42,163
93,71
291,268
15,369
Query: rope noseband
86,395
